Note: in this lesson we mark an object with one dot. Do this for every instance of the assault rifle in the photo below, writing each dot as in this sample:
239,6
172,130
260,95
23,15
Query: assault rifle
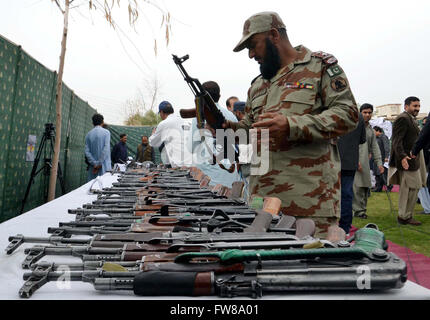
205,109
135,192
132,251
251,273
260,223
178,247
287,225
163,208
119,239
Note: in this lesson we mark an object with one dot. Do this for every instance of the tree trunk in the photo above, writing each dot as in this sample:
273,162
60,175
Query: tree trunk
54,169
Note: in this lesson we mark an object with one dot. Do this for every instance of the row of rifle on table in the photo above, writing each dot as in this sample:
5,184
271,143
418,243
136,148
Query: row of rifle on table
166,232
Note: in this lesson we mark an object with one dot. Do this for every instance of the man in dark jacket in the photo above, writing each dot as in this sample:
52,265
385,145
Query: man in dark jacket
144,151
384,147
423,143
119,151
348,149
404,168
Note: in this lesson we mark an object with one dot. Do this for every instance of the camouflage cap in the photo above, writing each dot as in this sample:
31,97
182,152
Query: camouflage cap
259,22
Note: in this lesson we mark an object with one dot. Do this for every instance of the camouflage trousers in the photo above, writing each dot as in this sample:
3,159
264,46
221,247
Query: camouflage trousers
322,224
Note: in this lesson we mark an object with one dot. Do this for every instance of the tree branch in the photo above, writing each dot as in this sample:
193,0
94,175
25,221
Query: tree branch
59,6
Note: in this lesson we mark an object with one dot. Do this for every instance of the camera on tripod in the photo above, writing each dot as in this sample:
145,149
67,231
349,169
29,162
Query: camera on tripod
49,130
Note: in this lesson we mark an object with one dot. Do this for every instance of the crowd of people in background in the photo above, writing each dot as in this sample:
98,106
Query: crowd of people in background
367,155
374,163
308,185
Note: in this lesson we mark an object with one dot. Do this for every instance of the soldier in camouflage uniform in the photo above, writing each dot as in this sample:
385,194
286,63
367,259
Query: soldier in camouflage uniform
304,99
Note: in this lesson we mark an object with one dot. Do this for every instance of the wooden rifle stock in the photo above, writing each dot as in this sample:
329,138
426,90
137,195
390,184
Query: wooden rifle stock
264,217
150,228
272,205
187,113
305,227
237,189
261,223
150,256
192,267
335,234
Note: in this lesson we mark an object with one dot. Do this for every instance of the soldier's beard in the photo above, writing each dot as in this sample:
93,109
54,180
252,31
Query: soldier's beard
271,62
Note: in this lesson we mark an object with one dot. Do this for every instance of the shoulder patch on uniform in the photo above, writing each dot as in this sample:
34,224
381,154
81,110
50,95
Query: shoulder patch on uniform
253,80
339,84
334,71
327,58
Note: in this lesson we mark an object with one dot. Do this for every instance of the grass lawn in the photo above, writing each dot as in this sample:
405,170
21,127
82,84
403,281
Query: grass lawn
378,209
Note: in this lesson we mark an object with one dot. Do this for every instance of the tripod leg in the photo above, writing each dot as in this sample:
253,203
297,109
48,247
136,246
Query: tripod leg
33,171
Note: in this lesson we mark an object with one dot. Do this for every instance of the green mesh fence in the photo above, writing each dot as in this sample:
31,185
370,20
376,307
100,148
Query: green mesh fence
27,103
8,70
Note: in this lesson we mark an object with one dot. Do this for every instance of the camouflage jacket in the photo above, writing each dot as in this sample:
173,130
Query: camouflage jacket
314,94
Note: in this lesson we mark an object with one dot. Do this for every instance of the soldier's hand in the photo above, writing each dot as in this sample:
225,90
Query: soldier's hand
278,127
226,124
360,168
381,169
405,163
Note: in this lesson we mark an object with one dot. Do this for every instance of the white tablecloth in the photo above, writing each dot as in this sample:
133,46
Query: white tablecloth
36,222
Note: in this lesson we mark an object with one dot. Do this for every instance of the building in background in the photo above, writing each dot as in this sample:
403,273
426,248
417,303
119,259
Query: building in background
391,111
388,111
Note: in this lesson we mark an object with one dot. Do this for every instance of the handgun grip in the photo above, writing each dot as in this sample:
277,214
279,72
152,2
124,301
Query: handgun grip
261,222
237,189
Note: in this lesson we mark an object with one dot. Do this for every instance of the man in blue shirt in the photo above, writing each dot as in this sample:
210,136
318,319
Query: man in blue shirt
97,148
119,151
